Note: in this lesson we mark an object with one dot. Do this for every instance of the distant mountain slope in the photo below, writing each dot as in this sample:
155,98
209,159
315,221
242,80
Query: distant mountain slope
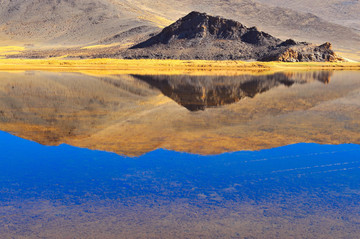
201,36
69,22
90,22
344,12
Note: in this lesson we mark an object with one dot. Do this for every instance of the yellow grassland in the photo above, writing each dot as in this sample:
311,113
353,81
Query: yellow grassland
100,46
10,50
149,66
124,45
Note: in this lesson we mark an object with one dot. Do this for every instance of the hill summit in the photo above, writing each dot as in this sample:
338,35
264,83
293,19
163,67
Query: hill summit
200,26
201,36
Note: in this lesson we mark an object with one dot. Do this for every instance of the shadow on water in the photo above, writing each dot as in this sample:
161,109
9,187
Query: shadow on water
200,92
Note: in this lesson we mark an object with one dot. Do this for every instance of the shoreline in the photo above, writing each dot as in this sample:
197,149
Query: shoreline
154,66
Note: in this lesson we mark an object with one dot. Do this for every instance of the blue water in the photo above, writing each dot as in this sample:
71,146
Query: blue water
303,190
296,191
330,173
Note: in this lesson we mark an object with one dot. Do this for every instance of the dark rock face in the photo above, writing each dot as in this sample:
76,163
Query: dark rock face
303,52
200,36
201,26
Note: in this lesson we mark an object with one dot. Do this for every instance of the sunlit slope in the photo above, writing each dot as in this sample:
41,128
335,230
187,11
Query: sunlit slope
70,22
343,12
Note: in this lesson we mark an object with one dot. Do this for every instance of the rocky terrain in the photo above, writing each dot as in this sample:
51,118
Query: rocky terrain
63,27
201,36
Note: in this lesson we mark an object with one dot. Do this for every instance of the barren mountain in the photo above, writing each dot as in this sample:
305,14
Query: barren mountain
88,22
200,36
70,22
343,12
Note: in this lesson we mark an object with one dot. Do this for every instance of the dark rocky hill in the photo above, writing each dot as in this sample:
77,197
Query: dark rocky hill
200,36
200,26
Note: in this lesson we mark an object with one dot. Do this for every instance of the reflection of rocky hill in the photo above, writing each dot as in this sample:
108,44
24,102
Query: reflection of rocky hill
199,92
126,115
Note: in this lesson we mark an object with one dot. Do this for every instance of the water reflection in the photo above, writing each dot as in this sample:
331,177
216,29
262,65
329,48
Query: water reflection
304,190
130,116
297,191
200,92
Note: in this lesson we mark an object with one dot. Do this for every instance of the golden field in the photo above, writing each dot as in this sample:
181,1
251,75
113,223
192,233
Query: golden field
150,66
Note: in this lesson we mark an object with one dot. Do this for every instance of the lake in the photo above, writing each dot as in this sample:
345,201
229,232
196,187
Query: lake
265,155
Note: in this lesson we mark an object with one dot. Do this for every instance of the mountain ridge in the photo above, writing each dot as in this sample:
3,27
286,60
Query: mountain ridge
51,24
343,12
202,36
196,24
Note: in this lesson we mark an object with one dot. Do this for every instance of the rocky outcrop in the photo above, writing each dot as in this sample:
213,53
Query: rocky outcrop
200,36
304,52
197,27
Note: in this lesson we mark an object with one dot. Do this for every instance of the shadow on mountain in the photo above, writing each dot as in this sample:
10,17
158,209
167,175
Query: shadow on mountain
200,92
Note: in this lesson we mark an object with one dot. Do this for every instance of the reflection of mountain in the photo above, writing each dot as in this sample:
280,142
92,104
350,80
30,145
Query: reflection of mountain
200,92
57,107
126,115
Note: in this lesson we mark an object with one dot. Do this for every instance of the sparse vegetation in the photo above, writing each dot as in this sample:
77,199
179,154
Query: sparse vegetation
150,66
10,50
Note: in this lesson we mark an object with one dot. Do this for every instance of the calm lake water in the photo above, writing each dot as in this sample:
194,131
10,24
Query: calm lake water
180,156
